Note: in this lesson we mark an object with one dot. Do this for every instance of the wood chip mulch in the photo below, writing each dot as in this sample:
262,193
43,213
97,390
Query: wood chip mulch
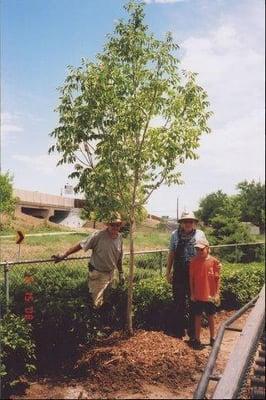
150,357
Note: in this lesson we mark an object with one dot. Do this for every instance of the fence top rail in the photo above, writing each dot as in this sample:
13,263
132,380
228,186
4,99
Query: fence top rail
163,250
46,260
236,244
45,234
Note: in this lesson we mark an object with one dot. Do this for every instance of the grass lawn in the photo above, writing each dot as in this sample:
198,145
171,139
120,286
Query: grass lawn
40,247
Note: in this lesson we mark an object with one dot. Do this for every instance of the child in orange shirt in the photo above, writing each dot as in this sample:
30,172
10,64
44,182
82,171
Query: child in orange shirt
204,277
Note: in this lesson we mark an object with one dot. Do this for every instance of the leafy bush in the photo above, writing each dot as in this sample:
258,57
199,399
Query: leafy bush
240,254
153,303
240,283
64,318
17,351
144,273
7,199
150,261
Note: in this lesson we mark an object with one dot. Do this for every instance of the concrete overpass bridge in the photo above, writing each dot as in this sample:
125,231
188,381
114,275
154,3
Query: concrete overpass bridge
46,206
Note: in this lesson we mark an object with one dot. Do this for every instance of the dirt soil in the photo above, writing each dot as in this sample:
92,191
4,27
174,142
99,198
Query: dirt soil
26,222
149,365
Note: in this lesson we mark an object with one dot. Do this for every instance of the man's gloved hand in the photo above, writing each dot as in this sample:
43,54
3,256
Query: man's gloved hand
121,278
57,257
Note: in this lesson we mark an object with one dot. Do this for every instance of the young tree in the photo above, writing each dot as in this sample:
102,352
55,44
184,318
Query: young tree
211,205
107,123
218,203
7,200
228,229
252,201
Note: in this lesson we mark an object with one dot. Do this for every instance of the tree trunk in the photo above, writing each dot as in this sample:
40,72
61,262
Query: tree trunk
129,326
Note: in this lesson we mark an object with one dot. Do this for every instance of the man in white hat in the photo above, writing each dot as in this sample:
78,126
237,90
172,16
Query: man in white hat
181,250
107,253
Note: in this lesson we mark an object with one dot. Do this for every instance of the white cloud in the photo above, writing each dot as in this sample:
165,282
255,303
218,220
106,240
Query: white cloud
43,163
39,172
10,123
229,58
230,63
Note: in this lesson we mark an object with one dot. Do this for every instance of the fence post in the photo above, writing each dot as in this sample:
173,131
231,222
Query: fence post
236,255
161,263
6,276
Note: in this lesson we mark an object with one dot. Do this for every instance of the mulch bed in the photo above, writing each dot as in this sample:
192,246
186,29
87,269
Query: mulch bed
151,357
121,366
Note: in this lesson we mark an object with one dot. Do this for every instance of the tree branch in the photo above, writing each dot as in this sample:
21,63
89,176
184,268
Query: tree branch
81,161
150,112
154,187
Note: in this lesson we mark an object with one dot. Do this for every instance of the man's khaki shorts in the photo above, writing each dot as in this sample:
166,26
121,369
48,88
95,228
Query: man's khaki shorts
98,282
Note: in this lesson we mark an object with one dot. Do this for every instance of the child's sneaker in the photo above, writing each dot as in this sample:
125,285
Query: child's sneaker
197,345
212,340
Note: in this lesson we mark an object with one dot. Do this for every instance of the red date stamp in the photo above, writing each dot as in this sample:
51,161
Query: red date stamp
28,299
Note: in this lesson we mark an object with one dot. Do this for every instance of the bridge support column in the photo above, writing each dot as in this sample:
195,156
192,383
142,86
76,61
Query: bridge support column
50,213
18,209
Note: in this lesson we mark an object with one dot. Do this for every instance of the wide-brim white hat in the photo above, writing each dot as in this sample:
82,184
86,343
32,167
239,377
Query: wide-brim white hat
187,216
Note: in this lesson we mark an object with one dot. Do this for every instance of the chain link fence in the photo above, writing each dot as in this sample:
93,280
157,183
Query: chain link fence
239,252
38,245
148,264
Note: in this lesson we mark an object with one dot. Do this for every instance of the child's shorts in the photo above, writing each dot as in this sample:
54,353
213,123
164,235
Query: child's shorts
198,307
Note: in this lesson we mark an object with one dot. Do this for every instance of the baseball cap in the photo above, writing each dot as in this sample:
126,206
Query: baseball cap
202,243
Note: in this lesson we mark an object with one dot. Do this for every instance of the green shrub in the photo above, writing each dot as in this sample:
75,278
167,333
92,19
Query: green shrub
150,261
240,283
240,254
145,273
152,303
63,314
17,351
64,318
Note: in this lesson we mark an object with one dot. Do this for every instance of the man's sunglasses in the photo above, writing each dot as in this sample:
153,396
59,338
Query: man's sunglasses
115,225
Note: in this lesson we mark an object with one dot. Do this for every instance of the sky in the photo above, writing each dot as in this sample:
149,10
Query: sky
222,40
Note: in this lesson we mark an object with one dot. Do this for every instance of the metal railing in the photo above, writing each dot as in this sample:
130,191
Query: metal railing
145,259
236,371
231,382
236,252
7,266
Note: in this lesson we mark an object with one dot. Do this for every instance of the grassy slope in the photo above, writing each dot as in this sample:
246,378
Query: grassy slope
147,237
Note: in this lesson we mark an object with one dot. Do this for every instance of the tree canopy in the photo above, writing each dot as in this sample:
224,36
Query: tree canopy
252,202
248,205
128,120
211,205
106,112
7,200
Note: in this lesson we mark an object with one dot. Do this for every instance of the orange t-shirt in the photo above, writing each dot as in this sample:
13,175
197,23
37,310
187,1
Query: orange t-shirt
204,276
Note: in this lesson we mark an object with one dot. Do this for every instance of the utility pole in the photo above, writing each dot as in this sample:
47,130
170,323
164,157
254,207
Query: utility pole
177,209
